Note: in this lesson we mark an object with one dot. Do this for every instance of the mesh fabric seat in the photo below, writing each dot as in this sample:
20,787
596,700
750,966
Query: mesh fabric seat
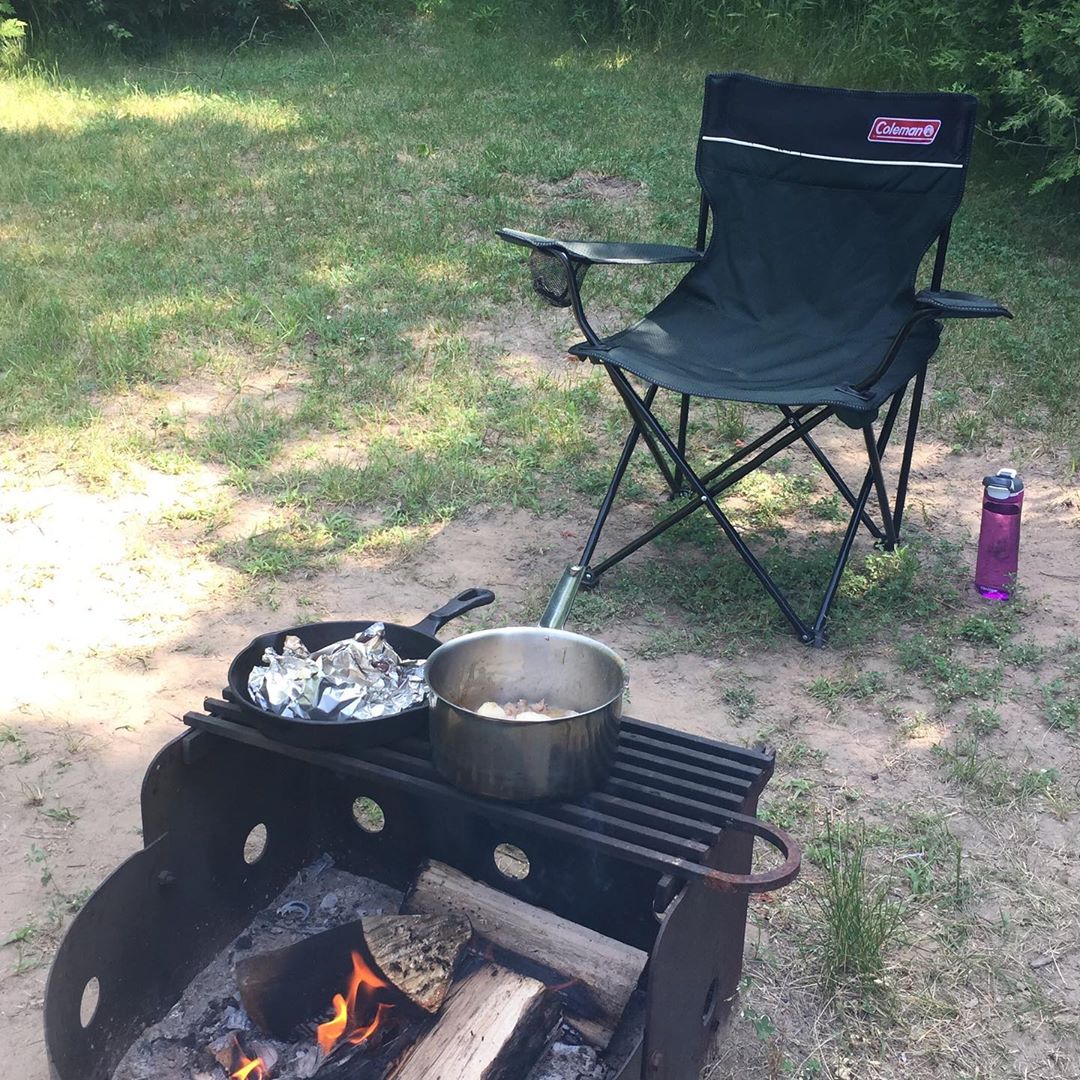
823,203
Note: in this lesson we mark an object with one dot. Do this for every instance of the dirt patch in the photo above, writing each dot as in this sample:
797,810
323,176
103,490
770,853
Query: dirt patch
615,189
117,620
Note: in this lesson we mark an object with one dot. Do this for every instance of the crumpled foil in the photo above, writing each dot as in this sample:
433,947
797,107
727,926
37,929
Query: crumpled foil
359,678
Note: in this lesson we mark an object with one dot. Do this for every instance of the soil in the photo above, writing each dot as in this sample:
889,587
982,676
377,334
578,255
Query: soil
114,620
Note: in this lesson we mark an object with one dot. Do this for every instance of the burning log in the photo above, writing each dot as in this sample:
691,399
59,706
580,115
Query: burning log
494,1027
388,960
596,974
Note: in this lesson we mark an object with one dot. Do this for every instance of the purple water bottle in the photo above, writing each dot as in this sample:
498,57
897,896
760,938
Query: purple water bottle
999,536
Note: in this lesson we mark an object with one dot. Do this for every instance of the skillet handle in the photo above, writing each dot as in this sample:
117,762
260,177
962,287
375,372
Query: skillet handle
464,601
769,879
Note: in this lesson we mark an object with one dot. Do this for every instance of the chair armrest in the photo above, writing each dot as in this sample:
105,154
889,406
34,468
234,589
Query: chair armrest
604,254
943,304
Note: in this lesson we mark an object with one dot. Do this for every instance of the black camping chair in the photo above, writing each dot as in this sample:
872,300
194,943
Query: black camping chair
823,203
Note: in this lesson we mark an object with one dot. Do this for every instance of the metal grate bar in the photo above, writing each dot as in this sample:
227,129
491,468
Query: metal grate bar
650,816
740,754
711,795
442,793
610,825
665,748
664,800
677,770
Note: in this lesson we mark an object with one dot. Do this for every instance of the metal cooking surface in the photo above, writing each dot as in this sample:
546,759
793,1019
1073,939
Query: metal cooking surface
669,797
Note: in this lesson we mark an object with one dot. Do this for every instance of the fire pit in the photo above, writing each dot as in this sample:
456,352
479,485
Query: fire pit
654,865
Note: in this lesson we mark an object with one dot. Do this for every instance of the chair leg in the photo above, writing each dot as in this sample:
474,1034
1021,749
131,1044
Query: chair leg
716,486
838,481
706,488
646,420
909,449
876,449
879,485
609,496
684,420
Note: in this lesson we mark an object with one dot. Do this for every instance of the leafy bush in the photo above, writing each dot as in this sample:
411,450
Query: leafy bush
12,34
145,22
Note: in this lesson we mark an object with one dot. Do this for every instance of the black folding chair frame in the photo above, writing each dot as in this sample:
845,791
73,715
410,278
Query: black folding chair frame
796,425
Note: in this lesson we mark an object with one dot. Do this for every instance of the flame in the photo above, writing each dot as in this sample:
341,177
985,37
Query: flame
247,1067
351,1021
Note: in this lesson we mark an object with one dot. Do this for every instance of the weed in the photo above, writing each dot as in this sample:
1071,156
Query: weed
831,690
22,934
1025,654
933,661
246,439
981,721
966,763
741,701
37,857
1061,705
32,794
988,629
63,814
860,919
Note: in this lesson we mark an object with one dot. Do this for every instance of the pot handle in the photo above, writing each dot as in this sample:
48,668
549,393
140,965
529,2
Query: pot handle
464,601
769,879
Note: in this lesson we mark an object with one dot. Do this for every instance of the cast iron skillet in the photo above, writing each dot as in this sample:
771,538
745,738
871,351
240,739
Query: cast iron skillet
411,643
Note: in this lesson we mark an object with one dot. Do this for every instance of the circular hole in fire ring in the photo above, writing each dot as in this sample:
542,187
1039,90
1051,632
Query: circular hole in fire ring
255,844
511,862
708,1010
368,814
89,1002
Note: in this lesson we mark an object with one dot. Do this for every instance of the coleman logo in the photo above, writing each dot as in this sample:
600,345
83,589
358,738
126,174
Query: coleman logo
898,129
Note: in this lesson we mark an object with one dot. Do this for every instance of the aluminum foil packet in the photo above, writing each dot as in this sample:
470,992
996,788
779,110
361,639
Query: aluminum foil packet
359,678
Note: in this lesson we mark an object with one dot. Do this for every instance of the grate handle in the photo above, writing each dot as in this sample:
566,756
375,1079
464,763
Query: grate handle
768,879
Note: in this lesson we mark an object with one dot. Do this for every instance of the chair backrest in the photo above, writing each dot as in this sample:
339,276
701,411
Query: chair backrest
825,201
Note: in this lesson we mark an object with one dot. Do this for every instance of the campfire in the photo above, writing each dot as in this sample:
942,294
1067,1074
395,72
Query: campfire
355,1021
415,982
439,937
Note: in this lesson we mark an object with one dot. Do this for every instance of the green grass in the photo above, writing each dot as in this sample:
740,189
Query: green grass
859,917
968,764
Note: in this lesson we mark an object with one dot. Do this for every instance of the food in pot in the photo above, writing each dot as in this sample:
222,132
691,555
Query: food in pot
522,710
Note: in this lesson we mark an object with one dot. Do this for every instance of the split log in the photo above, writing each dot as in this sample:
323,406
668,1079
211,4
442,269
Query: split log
415,954
596,973
494,1027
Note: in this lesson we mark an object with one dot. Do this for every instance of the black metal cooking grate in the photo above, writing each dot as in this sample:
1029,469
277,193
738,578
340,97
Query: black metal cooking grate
668,799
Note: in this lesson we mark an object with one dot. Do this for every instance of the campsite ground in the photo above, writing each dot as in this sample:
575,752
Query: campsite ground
263,362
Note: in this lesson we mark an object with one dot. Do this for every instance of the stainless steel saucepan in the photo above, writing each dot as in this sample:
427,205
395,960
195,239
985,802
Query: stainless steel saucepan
555,758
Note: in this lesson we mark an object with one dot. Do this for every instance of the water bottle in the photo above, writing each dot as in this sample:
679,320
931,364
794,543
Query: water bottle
999,535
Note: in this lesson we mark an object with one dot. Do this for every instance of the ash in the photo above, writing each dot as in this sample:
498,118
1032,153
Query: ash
319,898
568,1058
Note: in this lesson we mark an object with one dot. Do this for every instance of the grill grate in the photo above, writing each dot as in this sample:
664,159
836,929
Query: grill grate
668,799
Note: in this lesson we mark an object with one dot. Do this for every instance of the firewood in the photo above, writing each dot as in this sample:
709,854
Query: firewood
598,973
415,954
494,1027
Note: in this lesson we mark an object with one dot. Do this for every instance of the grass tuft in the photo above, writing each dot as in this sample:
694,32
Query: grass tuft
860,919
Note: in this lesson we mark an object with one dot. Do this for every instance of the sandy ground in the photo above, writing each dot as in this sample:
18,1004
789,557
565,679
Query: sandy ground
114,621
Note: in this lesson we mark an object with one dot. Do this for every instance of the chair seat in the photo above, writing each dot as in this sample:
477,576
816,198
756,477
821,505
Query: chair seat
690,346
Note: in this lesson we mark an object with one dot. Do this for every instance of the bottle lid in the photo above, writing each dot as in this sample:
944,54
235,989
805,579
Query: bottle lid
1004,484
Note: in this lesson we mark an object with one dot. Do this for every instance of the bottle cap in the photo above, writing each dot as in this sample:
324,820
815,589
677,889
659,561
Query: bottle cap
1004,484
